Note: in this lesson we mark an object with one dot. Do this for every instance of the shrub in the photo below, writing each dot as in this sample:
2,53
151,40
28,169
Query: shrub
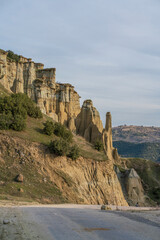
13,56
18,123
5,121
15,109
61,131
37,112
59,147
23,101
48,128
98,145
74,152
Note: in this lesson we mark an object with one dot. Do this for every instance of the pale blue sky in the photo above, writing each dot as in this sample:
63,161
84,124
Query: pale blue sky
108,49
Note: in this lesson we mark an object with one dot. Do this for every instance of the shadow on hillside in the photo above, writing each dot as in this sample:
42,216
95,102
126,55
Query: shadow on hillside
39,130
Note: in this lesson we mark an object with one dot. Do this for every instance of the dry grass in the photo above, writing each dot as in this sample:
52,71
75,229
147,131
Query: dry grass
87,149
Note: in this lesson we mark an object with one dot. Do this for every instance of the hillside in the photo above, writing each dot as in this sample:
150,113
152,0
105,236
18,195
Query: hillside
147,150
136,134
137,141
52,179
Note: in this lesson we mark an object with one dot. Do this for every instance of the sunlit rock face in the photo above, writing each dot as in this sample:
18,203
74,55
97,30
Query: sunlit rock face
88,122
110,151
59,101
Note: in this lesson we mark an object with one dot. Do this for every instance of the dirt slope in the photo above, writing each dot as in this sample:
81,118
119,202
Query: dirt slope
52,179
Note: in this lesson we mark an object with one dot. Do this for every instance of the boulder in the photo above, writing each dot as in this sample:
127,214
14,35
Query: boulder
20,178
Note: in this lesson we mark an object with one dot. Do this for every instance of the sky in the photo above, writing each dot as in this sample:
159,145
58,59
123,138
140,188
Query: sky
108,49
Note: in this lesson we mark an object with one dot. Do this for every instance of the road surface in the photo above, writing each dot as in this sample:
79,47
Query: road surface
77,223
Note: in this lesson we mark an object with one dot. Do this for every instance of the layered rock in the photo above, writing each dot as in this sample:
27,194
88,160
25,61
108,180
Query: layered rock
59,101
88,122
110,151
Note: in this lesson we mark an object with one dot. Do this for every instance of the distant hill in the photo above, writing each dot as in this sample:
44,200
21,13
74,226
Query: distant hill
137,141
149,151
136,134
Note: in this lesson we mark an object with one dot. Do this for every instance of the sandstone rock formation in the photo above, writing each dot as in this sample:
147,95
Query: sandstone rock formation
89,126
110,151
88,122
59,101
134,187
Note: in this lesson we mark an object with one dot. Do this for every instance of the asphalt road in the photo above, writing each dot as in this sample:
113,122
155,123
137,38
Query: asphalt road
77,224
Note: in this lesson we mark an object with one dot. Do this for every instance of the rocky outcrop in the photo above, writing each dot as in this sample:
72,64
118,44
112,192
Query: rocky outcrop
134,188
88,122
89,126
110,151
59,101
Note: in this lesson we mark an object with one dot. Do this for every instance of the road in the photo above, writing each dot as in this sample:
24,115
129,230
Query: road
77,223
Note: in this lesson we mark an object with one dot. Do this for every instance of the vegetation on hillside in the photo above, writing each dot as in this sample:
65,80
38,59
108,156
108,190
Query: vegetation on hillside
58,129
11,55
98,145
14,110
146,150
61,146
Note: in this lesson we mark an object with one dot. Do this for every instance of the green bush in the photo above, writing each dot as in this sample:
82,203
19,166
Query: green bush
98,145
23,101
59,147
18,123
74,152
13,56
5,121
48,128
16,107
61,131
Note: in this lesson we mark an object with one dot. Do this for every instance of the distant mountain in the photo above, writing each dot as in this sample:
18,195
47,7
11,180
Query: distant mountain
136,134
137,141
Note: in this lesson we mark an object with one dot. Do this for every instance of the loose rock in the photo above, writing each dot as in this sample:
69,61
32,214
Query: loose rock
19,178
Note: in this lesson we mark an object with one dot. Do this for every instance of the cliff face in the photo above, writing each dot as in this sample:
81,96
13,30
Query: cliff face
60,101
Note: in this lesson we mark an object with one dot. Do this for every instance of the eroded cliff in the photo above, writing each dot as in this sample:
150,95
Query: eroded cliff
59,101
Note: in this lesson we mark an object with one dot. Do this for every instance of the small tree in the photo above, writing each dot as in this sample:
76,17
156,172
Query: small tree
18,123
13,56
61,131
74,152
59,147
98,145
5,121
48,128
